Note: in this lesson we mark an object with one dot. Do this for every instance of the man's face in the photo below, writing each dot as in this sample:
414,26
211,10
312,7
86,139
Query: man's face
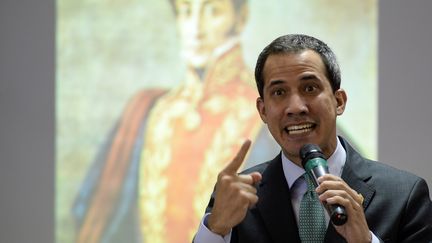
298,103
203,26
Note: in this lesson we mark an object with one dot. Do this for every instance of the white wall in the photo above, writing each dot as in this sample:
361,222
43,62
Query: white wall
405,85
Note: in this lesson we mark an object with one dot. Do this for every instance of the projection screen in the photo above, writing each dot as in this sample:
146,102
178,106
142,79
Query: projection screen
153,98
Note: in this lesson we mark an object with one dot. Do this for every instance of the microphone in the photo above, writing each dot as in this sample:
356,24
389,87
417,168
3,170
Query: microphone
315,164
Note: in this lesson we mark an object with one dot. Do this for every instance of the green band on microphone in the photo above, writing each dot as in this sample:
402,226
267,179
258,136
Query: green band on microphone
312,163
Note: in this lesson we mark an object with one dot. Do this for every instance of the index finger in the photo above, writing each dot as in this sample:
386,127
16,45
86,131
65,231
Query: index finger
235,164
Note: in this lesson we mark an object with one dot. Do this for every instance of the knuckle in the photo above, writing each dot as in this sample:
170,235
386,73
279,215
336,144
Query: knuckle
324,184
254,199
224,178
225,182
243,197
219,176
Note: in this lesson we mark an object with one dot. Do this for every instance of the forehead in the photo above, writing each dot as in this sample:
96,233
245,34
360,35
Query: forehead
291,65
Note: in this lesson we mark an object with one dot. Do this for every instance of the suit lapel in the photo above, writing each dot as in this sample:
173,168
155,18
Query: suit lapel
356,173
274,204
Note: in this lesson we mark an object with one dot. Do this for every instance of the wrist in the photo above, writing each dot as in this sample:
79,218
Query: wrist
369,240
215,227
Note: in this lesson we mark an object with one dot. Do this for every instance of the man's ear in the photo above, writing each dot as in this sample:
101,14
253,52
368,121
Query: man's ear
341,100
261,109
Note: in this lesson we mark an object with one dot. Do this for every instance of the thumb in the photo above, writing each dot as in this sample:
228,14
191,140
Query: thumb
256,177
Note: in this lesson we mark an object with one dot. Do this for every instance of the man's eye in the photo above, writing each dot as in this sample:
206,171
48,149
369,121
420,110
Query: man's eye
211,10
184,10
310,88
278,92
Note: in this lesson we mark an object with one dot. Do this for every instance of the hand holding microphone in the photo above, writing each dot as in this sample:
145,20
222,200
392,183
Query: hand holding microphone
314,163
353,228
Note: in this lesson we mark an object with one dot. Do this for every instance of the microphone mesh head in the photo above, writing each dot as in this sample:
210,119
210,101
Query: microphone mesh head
309,151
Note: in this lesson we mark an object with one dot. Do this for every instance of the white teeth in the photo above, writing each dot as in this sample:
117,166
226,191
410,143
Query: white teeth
297,129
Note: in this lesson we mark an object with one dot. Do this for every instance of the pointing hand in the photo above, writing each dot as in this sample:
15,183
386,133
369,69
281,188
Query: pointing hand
234,195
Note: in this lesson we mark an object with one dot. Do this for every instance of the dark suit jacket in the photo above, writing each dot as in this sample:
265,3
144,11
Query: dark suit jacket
396,205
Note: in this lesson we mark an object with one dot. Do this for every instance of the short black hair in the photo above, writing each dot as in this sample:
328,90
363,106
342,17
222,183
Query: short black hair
296,43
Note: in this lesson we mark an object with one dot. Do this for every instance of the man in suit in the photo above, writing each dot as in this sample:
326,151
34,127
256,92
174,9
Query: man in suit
298,80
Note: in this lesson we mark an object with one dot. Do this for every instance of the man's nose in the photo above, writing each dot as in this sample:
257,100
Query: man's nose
296,105
197,23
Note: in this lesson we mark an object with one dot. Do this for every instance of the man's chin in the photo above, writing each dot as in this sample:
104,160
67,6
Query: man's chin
196,61
293,148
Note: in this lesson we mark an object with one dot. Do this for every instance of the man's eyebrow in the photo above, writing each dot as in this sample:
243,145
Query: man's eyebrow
308,77
276,82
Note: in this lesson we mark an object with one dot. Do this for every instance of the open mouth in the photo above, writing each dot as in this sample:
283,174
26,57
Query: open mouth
300,129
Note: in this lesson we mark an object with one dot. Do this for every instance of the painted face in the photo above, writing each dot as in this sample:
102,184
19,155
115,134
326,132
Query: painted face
203,26
299,105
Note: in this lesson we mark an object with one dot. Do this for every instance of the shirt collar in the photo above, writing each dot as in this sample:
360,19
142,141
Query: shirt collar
335,163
